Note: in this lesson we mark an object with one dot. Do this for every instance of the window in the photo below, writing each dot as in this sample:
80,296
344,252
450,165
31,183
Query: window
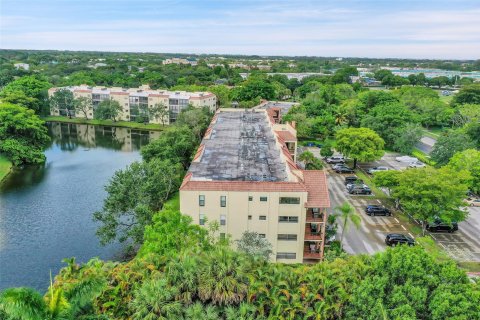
286,255
288,219
223,220
202,220
250,198
289,200
223,201
201,200
249,217
261,235
262,217
263,199
287,237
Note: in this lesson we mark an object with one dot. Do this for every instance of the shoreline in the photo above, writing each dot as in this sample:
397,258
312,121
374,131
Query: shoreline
6,167
121,124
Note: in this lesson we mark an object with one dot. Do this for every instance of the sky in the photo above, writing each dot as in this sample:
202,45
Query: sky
435,29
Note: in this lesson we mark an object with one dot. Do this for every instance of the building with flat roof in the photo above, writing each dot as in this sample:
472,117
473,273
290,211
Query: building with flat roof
24,66
244,176
135,102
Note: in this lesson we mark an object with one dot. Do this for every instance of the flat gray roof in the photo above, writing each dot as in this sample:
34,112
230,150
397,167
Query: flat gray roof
241,147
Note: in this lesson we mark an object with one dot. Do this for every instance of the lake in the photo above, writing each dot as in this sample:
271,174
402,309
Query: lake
46,211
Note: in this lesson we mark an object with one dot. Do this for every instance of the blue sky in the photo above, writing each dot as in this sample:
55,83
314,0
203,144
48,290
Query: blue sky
344,28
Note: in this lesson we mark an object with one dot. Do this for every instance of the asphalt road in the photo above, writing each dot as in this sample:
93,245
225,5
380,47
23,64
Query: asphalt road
426,144
462,245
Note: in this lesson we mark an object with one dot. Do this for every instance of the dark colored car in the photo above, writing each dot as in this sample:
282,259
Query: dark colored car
438,225
350,179
344,170
375,210
394,239
360,189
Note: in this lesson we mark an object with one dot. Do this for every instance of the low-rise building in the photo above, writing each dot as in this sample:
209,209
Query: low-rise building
136,102
244,176
180,61
24,66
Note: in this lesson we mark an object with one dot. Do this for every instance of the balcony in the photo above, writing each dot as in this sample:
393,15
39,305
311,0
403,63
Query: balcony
312,234
314,216
312,252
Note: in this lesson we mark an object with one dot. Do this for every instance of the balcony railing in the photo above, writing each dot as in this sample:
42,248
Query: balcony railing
314,217
309,254
312,235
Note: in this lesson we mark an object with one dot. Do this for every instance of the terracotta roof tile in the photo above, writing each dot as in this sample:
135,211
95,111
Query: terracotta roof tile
316,184
286,135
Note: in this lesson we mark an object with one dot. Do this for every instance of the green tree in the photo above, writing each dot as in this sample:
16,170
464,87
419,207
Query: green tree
254,88
347,214
83,105
133,195
251,243
108,110
306,157
468,94
23,136
159,112
448,144
197,119
386,119
428,193
407,138
387,179
326,150
407,283
62,100
361,144
29,91
175,144
468,160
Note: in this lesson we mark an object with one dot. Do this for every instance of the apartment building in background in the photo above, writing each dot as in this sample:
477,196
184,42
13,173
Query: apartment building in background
244,176
136,101
180,61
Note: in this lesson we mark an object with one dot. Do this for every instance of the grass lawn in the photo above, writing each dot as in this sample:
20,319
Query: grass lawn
5,166
470,266
446,99
124,124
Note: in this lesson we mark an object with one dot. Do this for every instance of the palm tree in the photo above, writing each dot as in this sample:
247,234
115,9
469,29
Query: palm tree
182,274
154,300
347,213
223,277
307,157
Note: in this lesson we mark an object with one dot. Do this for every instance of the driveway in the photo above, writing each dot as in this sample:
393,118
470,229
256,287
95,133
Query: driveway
426,144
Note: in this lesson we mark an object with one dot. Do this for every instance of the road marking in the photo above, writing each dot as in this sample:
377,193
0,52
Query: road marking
431,235
411,235
442,245
403,227
379,201
397,220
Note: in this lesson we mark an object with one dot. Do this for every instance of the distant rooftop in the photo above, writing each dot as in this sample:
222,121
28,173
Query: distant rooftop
283,106
239,146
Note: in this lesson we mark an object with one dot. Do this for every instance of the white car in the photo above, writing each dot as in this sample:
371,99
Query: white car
406,159
417,164
473,202
377,169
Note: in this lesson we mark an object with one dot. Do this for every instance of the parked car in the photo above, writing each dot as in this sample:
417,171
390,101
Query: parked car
336,159
310,144
438,225
360,189
393,239
377,169
417,164
359,182
318,145
406,159
376,210
344,170
338,165
473,202
350,179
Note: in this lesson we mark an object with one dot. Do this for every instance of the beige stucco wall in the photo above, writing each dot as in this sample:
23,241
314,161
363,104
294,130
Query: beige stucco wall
238,208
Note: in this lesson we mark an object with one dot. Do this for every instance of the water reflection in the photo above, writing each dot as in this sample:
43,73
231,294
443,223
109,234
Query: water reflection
70,136
46,211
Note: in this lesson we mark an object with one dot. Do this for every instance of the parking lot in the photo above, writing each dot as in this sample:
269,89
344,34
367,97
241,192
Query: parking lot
462,245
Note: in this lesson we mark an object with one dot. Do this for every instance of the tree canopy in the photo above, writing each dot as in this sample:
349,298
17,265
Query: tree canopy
361,144
23,136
